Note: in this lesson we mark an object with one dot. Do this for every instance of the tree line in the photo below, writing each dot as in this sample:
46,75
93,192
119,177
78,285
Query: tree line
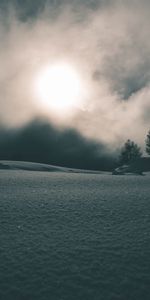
131,151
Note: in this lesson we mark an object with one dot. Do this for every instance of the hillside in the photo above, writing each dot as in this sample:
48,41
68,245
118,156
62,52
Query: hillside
30,166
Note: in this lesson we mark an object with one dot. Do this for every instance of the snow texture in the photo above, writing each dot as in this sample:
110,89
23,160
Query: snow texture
74,236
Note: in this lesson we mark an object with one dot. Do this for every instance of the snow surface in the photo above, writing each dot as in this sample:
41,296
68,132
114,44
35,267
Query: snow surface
74,236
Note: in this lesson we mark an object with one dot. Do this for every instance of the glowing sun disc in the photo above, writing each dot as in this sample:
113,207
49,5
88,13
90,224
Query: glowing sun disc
59,87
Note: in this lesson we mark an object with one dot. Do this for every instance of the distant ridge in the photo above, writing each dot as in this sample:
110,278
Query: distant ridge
38,167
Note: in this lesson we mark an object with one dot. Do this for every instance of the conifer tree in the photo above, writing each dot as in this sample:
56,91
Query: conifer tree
148,143
129,152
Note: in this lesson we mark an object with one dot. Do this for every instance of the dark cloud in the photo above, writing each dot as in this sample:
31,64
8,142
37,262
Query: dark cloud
30,9
127,74
24,8
41,142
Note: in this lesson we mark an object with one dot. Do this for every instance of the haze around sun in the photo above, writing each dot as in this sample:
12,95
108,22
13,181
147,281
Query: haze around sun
59,88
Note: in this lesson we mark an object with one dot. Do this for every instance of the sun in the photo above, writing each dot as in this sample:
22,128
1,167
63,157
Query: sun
59,87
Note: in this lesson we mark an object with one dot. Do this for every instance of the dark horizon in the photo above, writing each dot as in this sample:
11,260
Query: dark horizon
41,142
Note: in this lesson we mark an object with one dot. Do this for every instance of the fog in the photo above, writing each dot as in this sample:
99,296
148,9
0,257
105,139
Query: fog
107,42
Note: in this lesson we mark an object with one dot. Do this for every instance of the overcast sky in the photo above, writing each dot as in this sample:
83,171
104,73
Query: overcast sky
107,42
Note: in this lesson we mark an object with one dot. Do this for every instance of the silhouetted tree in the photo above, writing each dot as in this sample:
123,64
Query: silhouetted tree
129,152
148,143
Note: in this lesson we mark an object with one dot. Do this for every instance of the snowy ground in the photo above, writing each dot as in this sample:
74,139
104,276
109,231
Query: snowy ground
74,236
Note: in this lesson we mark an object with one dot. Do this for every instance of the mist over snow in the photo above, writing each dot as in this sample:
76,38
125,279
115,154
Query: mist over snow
41,142
107,42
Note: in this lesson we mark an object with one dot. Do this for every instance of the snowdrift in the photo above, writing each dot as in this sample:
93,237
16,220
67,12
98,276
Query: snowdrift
39,167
